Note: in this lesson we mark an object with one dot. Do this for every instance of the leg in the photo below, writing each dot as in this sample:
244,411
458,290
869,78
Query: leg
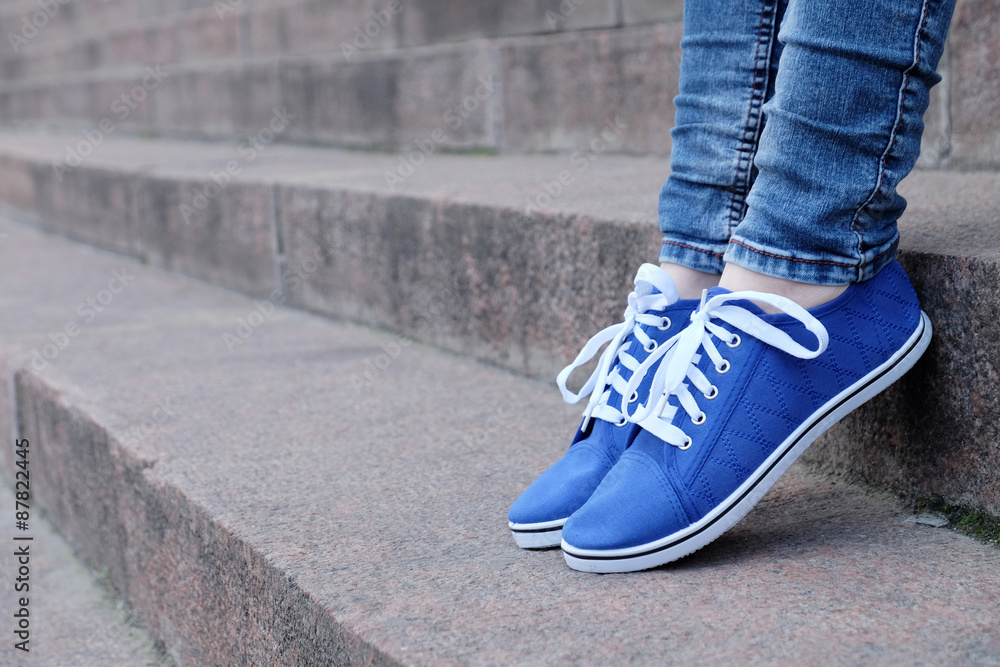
719,110
843,128
741,393
730,58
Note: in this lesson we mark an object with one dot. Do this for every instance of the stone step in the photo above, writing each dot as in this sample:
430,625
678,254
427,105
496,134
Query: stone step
509,94
256,507
230,29
552,91
30,26
74,617
517,261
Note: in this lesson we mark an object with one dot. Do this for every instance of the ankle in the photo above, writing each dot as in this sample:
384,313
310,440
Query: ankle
737,279
690,282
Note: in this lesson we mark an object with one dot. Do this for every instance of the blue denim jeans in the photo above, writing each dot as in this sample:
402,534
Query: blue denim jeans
796,120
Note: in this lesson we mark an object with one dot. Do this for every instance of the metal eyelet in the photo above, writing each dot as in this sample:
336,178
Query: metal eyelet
712,393
686,445
634,397
665,324
650,347
700,419
622,422
723,368
735,342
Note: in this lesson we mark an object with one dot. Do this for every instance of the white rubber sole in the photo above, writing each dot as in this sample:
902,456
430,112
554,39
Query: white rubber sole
741,501
537,535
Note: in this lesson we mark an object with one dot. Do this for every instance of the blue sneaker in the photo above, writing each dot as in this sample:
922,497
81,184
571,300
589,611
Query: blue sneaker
654,314
739,395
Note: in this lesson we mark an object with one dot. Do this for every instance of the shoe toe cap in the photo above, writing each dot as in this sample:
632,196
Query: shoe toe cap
563,488
634,505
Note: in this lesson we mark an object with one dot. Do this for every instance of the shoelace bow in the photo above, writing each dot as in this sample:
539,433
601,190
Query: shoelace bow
674,374
606,377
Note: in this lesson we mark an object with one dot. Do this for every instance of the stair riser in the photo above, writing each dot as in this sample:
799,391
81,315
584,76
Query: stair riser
633,71
52,24
147,536
523,292
515,95
974,80
931,434
219,30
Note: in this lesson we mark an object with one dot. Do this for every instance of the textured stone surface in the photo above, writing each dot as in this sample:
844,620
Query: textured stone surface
93,205
206,35
393,101
323,26
199,101
536,93
299,26
184,222
79,63
524,17
935,143
75,619
472,254
449,276
283,514
230,242
434,21
975,107
450,96
936,432
630,79
354,104
84,34
652,11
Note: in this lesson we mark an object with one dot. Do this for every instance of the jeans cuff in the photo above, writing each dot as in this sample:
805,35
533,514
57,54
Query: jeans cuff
812,270
699,256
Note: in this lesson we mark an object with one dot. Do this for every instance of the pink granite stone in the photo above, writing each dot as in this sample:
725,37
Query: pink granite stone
561,93
281,513
464,254
975,72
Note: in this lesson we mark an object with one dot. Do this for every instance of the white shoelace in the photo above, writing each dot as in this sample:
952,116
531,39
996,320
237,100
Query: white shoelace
605,376
676,371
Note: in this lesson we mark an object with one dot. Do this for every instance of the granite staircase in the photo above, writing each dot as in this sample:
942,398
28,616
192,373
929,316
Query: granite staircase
286,284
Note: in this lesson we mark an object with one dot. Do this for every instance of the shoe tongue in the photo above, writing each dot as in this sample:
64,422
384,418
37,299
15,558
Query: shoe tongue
651,279
742,303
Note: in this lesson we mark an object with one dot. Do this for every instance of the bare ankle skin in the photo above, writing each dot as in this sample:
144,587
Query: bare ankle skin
737,279
690,282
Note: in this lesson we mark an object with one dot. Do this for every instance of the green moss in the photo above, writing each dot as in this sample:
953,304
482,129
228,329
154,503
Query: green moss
966,520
